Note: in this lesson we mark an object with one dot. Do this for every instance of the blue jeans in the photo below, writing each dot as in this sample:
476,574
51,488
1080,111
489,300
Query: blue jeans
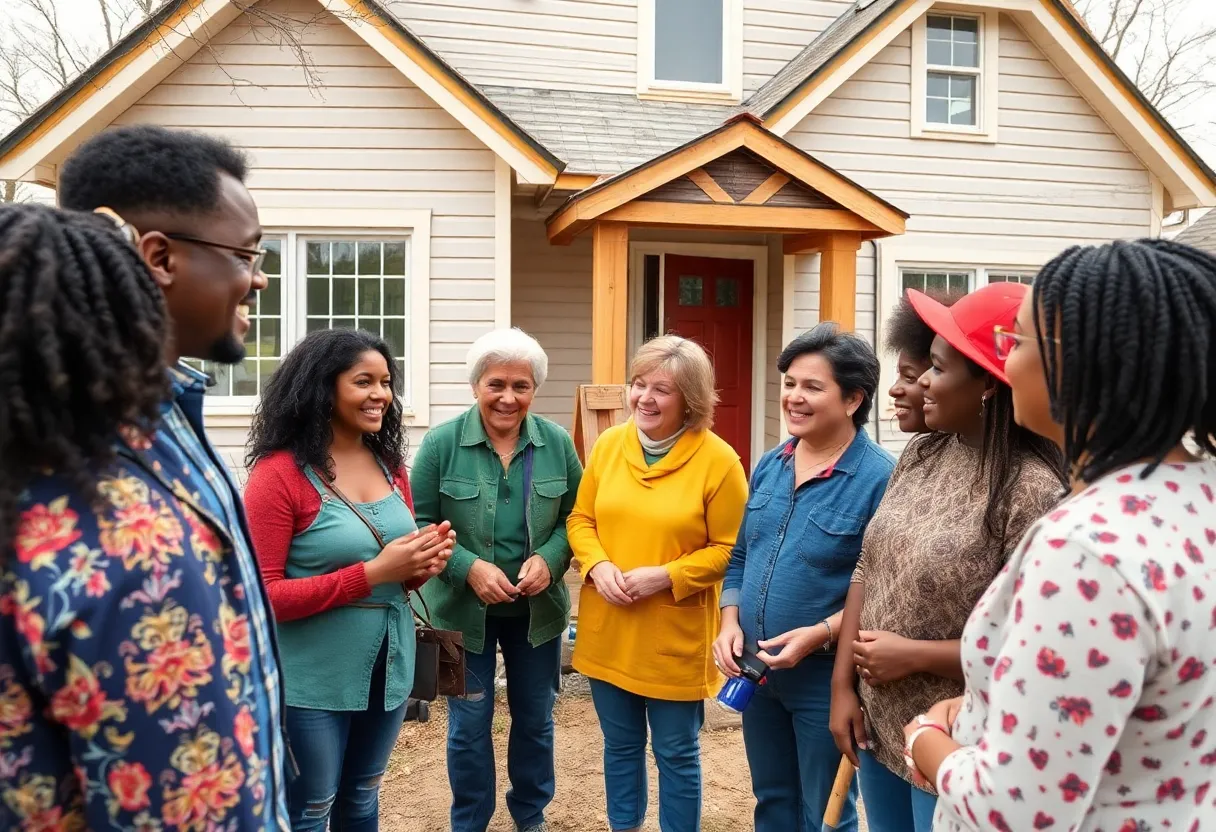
892,803
533,675
342,756
790,750
676,730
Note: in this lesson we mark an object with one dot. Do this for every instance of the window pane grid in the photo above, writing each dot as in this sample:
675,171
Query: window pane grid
1025,278
952,97
935,281
360,284
263,341
953,42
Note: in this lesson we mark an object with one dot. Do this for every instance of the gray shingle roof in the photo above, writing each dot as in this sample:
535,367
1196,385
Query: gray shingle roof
1202,234
803,67
605,133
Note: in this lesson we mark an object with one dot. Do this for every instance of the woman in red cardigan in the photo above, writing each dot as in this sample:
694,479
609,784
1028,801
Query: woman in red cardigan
327,485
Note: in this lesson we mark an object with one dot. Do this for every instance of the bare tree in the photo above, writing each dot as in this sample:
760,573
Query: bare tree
1164,46
39,55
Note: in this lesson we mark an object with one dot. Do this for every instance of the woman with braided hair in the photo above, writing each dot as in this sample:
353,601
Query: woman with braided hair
1090,701
139,681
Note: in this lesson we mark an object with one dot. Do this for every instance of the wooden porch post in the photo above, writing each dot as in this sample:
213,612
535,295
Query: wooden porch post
609,302
838,280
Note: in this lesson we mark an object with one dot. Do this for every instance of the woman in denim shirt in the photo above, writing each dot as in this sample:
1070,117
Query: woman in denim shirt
811,499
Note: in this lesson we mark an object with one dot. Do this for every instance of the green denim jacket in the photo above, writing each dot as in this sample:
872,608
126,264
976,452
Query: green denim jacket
454,478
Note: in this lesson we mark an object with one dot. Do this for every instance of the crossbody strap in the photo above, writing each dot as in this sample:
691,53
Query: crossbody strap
425,618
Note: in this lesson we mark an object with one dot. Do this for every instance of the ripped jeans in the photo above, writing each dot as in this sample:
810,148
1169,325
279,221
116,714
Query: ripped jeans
342,756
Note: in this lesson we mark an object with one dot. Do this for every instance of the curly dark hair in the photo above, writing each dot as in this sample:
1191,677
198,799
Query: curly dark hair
295,410
144,167
82,337
907,333
1005,448
1135,371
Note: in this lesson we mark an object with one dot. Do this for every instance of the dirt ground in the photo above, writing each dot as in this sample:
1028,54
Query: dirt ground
415,796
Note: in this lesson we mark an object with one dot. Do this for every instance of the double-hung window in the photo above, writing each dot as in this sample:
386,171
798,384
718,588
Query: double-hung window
958,281
329,281
954,75
690,49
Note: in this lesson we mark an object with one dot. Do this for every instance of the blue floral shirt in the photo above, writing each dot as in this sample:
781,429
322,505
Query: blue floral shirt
139,684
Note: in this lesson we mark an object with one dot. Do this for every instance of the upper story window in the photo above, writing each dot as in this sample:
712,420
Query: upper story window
954,76
690,49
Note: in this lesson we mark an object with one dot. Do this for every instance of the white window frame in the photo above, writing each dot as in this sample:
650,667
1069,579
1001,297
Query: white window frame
911,254
296,225
987,75
731,88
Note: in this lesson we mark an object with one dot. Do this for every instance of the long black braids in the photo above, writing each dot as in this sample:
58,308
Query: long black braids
296,408
1128,337
82,339
1005,448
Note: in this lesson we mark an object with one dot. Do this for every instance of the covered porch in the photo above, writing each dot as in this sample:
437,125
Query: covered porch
702,241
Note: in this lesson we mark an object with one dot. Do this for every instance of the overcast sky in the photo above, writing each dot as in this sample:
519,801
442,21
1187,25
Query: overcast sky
1201,113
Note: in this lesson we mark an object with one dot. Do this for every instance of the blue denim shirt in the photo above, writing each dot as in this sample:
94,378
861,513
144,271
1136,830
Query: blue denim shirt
795,554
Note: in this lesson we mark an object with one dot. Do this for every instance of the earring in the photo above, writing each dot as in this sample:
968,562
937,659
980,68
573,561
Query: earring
983,406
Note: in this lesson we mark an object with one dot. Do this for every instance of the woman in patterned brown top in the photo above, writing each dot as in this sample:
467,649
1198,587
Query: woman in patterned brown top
959,500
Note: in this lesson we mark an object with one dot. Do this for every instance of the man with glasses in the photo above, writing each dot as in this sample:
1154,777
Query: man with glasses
175,637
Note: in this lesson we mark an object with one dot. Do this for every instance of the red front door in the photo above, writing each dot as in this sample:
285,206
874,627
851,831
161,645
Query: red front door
709,300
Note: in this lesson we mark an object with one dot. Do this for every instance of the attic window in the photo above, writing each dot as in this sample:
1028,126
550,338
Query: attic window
954,76
690,49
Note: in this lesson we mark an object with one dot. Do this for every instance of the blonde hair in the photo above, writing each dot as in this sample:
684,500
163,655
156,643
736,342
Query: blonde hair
689,367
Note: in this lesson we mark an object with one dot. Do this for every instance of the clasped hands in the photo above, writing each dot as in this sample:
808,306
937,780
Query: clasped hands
623,588
492,585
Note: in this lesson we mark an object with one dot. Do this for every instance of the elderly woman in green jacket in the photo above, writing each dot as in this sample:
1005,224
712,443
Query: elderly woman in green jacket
506,479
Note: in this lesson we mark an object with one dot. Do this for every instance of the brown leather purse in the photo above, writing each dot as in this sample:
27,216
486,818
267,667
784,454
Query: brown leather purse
439,661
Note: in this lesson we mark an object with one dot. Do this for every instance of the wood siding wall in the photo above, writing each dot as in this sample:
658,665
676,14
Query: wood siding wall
356,134
591,44
551,300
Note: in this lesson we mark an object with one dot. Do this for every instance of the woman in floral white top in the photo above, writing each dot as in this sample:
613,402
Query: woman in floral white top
1091,691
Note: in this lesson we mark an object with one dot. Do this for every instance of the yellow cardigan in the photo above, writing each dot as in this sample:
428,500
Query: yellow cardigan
683,513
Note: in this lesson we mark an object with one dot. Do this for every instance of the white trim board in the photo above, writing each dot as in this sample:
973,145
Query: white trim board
759,257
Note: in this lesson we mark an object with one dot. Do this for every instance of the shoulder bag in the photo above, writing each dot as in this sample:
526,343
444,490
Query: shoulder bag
439,661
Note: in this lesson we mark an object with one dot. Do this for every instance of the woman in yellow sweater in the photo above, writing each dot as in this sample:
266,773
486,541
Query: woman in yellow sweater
652,531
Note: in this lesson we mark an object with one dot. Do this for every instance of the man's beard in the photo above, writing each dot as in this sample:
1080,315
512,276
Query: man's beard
227,350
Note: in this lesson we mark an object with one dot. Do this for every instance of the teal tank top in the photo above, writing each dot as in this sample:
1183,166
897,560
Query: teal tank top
327,658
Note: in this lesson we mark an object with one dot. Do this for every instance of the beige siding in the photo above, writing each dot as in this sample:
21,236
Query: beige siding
774,31
552,44
351,132
551,300
591,44
1058,175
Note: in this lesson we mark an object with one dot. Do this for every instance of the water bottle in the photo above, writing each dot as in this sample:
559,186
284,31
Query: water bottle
738,692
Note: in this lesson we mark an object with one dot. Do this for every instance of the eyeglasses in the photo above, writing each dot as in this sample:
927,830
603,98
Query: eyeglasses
253,257
1005,341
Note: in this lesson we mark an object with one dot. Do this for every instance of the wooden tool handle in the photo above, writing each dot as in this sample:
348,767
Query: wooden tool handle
840,793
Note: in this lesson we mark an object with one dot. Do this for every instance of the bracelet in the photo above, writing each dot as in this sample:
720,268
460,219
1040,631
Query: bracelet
925,726
827,645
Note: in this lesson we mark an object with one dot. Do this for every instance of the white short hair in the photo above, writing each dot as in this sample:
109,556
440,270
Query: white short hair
505,346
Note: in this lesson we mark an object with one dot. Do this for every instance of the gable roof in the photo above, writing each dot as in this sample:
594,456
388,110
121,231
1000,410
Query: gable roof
1201,234
178,28
869,25
872,215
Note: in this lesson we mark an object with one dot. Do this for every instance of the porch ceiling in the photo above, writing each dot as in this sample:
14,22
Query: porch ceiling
738,177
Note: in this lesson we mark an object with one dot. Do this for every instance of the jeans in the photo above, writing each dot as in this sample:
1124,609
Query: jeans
676,729
892,803
342,756
790,751
533,675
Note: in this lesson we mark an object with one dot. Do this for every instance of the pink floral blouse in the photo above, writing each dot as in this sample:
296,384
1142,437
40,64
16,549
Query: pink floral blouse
1089,665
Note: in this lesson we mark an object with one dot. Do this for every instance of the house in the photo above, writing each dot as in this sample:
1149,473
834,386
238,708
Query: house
598,171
